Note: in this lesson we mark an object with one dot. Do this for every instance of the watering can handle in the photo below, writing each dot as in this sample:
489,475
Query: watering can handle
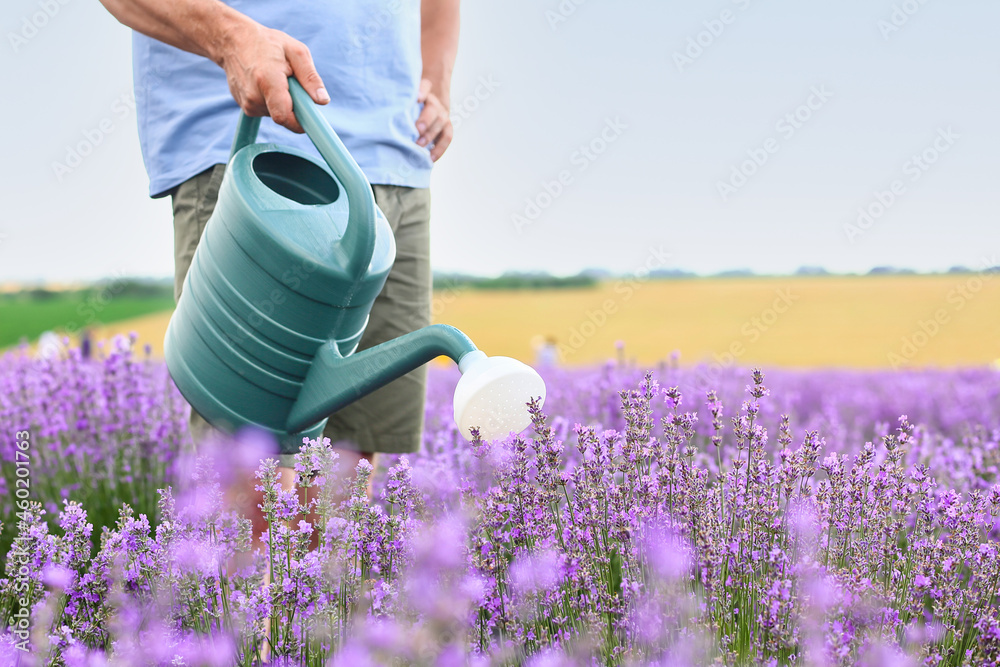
358,241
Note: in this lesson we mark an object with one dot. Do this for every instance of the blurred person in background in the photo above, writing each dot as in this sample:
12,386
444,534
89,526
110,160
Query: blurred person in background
546,351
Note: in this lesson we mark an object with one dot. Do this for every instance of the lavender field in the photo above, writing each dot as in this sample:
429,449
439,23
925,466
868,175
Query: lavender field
670,516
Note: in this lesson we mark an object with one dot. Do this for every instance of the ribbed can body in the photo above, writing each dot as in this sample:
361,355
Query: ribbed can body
267,287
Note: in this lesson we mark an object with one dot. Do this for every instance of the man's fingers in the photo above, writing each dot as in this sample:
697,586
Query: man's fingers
424,90
253,105
429,135
433,125
250,101
442,142
279,101
305,71
426,117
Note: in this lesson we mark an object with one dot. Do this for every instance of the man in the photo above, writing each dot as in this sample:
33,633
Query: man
383,72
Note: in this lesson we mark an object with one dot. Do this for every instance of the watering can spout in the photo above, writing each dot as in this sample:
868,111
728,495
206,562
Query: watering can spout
334,381
491,394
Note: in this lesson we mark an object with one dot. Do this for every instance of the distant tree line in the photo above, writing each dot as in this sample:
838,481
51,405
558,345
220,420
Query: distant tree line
127,287
512,281
149,288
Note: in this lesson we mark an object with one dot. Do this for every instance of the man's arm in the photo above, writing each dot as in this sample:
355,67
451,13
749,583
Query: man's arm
439,46
257,60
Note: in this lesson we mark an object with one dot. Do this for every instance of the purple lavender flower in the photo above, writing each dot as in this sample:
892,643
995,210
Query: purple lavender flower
642,522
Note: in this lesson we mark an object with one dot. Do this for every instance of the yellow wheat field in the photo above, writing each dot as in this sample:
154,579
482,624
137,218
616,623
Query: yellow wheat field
861,322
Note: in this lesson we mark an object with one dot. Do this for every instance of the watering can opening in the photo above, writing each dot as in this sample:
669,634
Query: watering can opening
295,178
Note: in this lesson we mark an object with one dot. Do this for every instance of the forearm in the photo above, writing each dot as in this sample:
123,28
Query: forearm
439,20
203,27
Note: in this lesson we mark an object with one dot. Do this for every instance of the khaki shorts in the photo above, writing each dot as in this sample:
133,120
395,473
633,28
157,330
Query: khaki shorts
390,419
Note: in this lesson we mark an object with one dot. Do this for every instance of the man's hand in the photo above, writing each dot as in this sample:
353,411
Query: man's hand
434,123
258,62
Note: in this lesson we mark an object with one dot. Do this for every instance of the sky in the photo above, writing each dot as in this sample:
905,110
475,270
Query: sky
697,135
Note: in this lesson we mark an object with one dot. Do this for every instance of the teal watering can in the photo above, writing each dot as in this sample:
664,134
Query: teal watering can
278,296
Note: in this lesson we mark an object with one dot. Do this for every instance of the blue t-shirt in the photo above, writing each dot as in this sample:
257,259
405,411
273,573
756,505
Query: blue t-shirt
366,51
